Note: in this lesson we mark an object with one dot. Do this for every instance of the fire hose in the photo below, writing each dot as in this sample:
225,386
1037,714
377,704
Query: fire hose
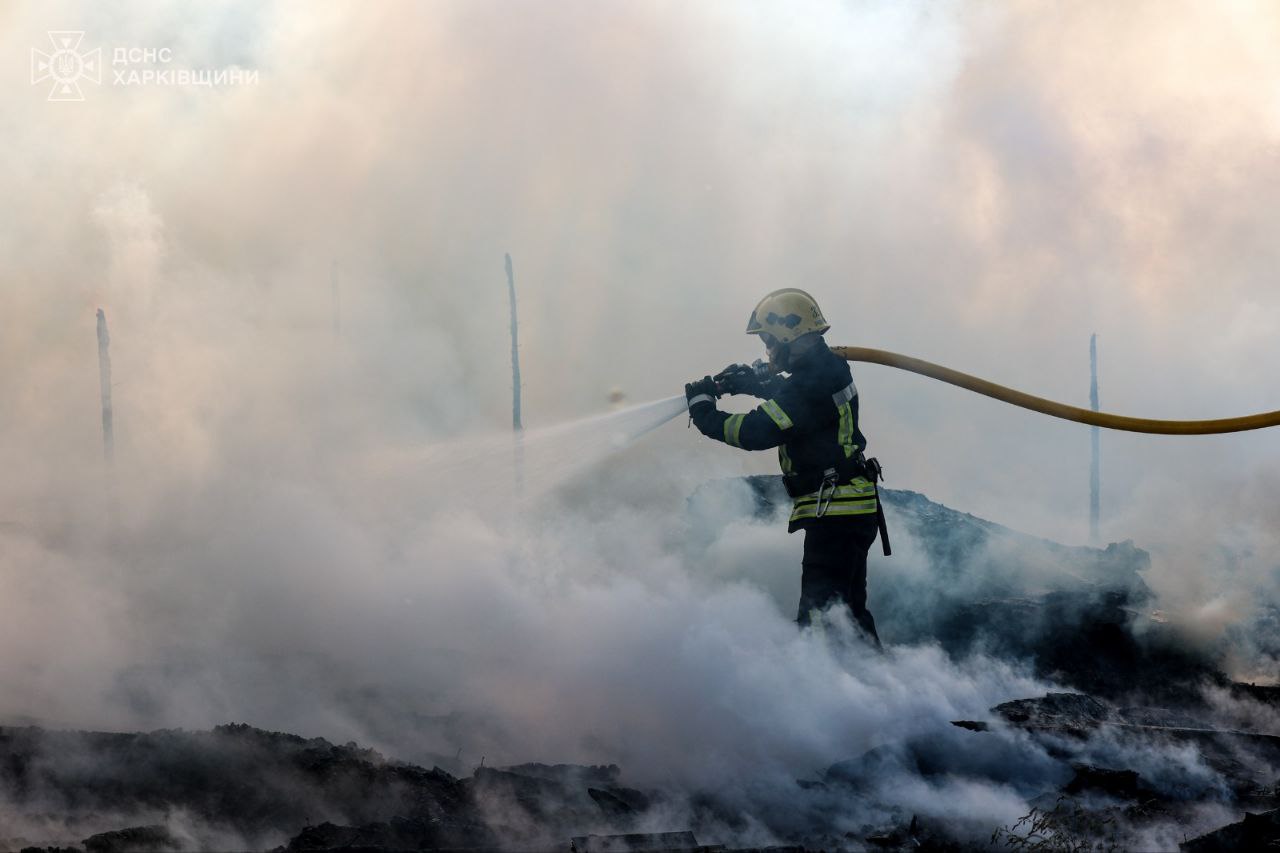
1052,408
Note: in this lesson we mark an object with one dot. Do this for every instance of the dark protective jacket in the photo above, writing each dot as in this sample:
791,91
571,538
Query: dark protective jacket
812,418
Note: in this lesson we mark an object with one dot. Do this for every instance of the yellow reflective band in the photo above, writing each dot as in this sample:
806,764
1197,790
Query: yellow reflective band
836,508
869,503
773,410
845,437
854,491
784,459
733,426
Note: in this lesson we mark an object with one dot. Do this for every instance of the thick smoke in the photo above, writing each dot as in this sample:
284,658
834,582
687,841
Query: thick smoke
312,521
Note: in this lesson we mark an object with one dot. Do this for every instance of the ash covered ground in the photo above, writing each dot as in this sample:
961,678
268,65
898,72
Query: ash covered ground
1114,729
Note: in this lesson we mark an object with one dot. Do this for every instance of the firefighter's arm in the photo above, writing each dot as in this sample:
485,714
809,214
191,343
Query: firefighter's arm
759,429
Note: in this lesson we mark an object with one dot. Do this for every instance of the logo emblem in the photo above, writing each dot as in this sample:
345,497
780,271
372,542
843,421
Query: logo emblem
66,66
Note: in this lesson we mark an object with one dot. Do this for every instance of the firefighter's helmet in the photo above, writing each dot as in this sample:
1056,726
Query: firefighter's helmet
787,314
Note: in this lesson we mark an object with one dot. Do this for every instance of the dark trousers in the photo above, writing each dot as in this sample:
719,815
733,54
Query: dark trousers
835,568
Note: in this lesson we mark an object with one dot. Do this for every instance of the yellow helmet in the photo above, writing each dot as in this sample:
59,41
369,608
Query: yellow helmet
787,314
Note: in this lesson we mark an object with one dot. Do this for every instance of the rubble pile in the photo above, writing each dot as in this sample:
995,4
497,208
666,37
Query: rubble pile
1144,744
241,780
1226,770
1082,616
242,783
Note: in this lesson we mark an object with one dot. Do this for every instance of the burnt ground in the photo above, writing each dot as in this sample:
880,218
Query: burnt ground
1146,743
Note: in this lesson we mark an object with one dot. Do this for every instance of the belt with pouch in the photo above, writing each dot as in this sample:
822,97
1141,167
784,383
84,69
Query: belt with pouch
844,471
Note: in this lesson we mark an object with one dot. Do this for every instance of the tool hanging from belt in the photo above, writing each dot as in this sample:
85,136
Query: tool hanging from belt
875,473
827,482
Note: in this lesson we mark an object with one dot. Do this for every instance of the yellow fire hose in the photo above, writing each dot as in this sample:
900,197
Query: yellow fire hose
1049,407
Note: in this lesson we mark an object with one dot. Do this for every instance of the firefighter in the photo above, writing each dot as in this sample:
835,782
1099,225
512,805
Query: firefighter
811,416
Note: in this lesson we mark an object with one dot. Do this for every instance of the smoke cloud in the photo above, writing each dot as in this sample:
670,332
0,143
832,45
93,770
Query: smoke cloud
312,521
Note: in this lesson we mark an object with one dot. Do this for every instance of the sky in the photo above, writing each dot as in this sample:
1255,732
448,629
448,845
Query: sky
303,277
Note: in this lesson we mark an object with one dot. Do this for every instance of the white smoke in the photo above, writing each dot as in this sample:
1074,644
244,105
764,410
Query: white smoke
981,187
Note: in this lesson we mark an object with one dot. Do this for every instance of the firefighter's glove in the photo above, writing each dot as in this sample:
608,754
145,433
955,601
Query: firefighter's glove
739,379
701,392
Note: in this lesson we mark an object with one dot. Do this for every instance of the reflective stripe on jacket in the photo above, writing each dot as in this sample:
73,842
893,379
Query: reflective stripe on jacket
812,418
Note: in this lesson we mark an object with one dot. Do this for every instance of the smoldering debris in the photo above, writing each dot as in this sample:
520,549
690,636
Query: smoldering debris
135,839
1254,832
1083,617
1127,736
1154,743
1171,777
232,784
633,842
238,787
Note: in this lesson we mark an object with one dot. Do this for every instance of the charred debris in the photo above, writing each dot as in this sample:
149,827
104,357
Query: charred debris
1147,744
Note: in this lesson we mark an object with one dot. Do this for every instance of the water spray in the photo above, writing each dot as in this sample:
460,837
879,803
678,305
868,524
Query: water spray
555,453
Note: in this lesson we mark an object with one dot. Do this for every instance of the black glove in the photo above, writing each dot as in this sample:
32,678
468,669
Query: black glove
704,387
753,379
736,379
